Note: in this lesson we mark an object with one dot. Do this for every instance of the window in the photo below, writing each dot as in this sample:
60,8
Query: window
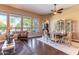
3,23
35,24
27,23
15,23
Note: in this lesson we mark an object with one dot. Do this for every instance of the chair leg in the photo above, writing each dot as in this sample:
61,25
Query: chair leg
2,52
69,43
14,50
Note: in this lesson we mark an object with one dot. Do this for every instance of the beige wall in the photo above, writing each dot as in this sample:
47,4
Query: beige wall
70,13
11,10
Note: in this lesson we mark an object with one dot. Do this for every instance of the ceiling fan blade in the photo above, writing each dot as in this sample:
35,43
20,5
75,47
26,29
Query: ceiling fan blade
60,9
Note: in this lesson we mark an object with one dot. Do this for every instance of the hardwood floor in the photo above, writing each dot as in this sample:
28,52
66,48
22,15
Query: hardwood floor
36,47
39,48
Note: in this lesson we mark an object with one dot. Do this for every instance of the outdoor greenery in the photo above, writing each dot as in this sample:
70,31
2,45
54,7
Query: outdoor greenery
15,24
27,22
2,26
18,26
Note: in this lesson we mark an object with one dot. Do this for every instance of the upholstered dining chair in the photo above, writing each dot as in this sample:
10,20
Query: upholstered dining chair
68,38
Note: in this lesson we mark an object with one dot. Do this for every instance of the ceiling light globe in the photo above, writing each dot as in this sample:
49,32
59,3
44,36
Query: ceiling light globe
55,13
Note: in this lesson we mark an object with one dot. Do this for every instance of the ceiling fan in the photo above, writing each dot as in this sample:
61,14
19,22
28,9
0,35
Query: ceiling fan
55,11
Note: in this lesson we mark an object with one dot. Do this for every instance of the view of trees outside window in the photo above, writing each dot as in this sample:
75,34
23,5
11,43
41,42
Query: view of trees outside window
35,24
15,23
27,23
3,23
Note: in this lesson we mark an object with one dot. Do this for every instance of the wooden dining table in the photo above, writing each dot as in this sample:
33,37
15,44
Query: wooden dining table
60,36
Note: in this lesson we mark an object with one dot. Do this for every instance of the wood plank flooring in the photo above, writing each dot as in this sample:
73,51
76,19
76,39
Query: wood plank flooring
39,48
35,47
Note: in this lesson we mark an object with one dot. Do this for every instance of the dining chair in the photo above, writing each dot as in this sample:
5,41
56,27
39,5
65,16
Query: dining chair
68,38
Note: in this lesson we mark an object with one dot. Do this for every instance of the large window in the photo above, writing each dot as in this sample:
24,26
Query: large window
27,23
15,23
3,23
35,24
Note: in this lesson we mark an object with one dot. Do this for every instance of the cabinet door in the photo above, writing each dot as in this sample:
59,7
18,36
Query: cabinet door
68,26
59,25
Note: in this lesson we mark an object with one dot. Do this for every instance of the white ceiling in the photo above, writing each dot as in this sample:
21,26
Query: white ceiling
40,8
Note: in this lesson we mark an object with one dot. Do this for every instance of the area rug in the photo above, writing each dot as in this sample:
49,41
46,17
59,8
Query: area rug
70,50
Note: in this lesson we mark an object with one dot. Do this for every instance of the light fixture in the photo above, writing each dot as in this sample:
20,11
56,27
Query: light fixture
55,11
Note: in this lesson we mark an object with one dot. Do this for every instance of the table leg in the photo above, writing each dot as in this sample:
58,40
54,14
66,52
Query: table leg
14,50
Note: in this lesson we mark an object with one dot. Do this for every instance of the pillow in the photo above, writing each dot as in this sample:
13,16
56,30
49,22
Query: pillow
25,34
15,35
22,34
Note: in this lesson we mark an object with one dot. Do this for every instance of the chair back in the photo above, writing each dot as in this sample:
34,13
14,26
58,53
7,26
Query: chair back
69,36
